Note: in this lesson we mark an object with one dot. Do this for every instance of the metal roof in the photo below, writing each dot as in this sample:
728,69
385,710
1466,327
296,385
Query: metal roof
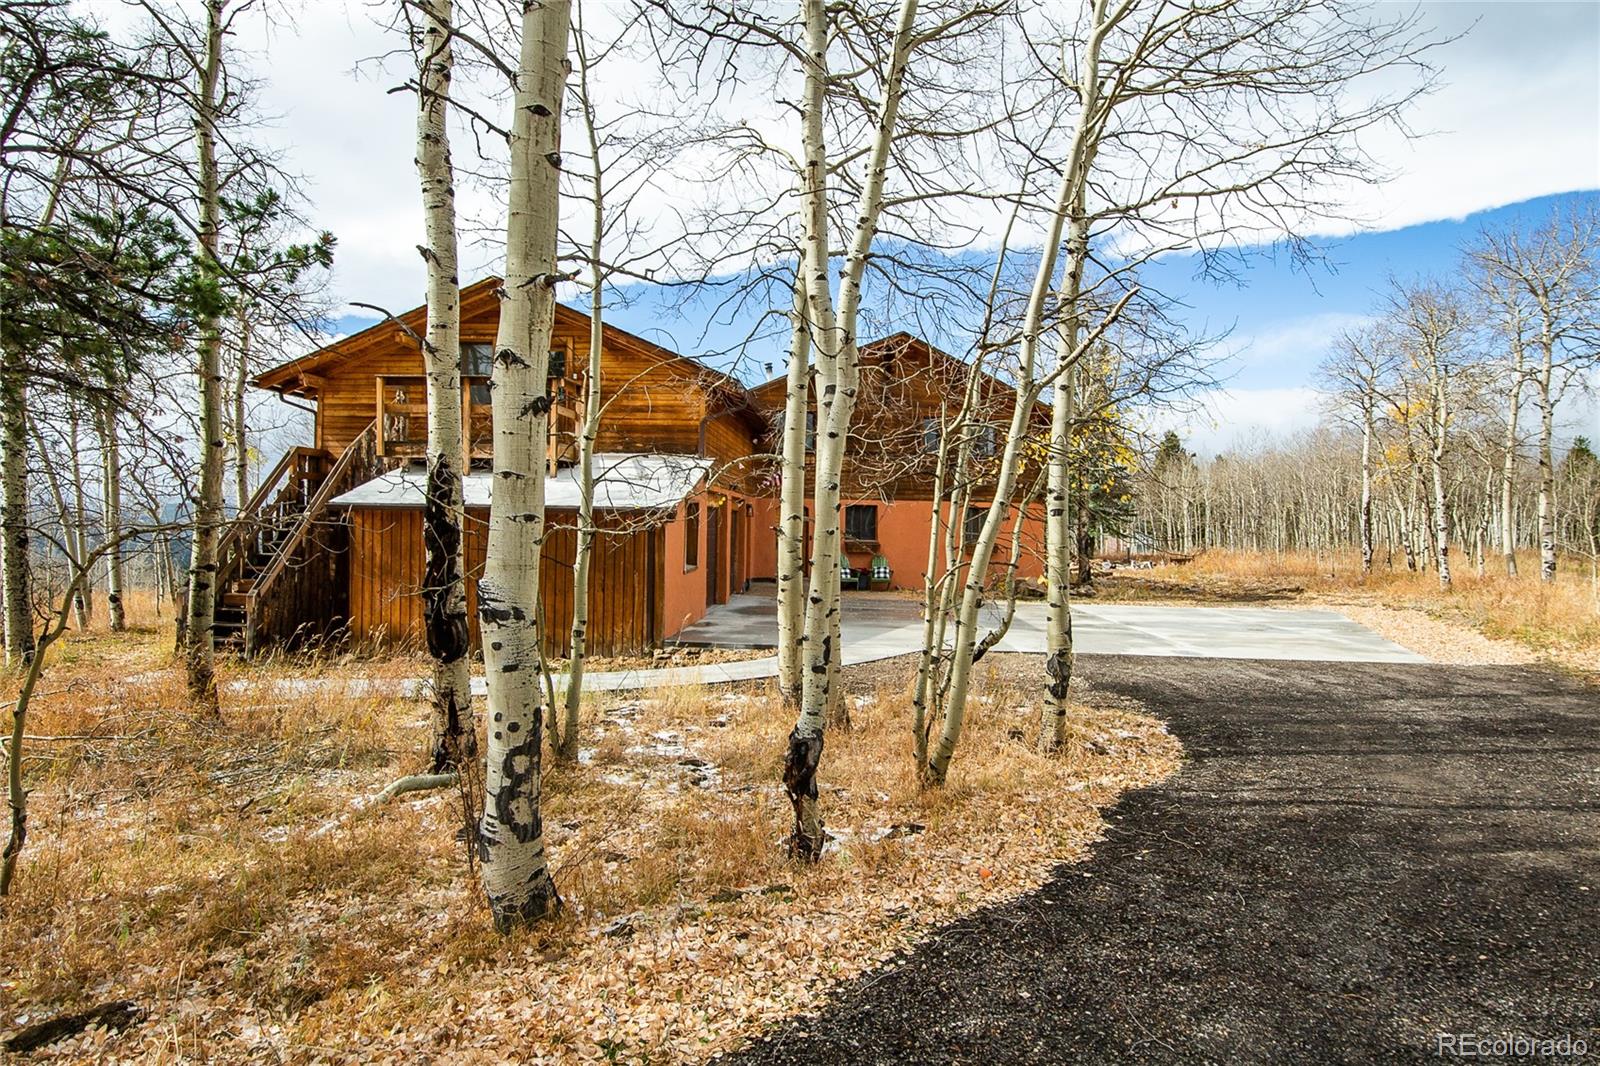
623,481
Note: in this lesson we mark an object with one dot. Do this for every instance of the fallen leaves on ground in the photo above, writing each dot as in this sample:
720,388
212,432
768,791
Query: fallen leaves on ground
234,881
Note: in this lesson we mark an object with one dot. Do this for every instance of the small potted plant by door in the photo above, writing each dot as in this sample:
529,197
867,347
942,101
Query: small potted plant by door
879,574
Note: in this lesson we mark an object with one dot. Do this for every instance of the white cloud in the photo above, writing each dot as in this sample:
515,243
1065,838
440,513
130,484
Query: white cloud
1299,341
1517,116
1227,418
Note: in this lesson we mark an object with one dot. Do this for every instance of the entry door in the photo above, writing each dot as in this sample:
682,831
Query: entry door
713,554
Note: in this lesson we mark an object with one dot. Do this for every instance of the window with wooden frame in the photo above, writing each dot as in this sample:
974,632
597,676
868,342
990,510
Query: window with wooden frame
477,400
861,523
477,360
691,535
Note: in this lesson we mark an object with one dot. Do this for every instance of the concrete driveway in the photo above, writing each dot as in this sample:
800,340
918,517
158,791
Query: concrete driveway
889,624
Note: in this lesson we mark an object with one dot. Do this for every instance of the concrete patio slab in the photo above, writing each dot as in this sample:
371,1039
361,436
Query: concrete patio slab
891,623
881,627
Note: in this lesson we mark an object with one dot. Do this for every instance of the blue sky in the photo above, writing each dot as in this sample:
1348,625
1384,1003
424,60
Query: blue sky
1282,315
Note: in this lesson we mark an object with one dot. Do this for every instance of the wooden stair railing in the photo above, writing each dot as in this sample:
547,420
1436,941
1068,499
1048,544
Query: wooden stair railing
288,596
282,495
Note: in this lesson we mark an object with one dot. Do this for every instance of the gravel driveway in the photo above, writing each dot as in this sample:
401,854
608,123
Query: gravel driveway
1355,862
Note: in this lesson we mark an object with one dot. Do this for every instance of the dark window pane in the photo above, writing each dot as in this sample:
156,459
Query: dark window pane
930,436
477,360
481,396
691,534
811,431
558,363
861,522
974,524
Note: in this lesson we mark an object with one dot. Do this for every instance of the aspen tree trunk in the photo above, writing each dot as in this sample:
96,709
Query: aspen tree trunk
565,744
200,659
936,584
932,585
241,429
1441,515
1547,466
78,532
792,503
834,336
111,494
14,511
1485,517
1059,543
1366,489
1508,468
444,589
837,713
966,620
514,866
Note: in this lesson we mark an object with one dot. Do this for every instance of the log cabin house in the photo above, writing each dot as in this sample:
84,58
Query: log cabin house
332,540
686,484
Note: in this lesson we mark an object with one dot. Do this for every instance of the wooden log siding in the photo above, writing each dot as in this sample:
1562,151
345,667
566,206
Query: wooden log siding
654,401
903,382
624,579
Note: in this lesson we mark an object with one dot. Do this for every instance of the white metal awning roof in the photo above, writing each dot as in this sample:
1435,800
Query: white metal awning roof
623,481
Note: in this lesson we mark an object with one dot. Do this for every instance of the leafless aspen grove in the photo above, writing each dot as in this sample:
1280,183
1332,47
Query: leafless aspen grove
993,175
1439,446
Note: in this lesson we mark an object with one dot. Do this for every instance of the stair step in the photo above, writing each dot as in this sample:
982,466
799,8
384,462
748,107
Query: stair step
235,598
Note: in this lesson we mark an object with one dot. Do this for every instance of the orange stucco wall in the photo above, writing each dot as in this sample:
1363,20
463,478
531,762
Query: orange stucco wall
683,592
903,529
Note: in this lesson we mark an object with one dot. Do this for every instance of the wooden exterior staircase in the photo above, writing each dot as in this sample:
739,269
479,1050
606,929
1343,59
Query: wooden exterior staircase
282,564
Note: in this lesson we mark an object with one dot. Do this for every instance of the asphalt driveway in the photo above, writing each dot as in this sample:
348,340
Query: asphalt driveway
1355,863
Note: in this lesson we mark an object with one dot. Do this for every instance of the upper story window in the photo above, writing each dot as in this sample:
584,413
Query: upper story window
931,432
983,440
811,429
477,360
861,522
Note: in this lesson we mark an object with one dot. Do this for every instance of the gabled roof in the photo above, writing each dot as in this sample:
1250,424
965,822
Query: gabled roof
304,376
874,352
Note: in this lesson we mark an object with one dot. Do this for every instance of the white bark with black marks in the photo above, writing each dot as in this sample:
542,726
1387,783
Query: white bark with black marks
200,656
792,504
833,335
565,742
444,588
14,545
514,867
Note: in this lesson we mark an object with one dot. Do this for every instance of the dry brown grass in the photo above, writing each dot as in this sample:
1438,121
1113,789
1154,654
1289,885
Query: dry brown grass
231,878
1558,621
